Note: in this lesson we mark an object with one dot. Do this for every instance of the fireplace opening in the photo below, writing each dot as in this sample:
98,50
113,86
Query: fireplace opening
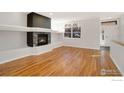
42,39
38,38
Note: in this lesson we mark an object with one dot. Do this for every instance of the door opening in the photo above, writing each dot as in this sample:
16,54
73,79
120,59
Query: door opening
109,31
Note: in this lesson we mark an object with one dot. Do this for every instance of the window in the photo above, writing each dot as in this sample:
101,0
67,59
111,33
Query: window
72,31
68,30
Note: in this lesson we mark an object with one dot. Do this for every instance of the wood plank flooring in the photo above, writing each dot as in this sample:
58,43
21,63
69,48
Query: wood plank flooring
63,61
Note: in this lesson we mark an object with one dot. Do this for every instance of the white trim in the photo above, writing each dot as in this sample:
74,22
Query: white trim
82,47
42,52
6,61
59,44
25,29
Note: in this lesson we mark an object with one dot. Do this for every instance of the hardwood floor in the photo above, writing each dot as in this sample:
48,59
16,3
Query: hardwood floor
63,61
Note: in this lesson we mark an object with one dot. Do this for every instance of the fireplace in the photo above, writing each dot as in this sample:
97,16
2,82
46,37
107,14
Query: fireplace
42,39
38,38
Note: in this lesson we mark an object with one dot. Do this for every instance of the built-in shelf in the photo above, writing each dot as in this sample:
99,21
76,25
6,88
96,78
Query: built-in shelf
13,28
25,29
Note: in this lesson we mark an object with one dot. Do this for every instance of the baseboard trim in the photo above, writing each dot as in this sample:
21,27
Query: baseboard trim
81,47
6,61
41,52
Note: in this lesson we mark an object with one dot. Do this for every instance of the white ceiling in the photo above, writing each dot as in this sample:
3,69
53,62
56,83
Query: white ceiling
65,16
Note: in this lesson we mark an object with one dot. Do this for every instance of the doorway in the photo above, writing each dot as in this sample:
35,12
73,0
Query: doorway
109,31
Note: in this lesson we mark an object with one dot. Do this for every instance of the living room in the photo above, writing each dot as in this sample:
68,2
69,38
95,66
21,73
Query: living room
30,35
61,46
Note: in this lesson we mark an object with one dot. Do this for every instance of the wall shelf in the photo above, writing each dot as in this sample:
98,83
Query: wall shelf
25,29
13,28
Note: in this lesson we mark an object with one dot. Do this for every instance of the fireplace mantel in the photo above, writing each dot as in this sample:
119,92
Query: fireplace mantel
25,29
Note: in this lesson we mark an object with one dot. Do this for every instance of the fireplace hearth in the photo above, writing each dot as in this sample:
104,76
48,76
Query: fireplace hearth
38,38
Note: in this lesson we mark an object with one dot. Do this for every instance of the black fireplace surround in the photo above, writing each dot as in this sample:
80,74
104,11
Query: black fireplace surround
37,20
38,38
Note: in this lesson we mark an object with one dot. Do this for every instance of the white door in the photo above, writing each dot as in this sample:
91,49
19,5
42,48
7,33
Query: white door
108,33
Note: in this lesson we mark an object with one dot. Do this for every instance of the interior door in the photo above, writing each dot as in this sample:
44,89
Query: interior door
108,33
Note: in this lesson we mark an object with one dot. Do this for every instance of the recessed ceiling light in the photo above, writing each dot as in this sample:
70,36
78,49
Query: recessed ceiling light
51,14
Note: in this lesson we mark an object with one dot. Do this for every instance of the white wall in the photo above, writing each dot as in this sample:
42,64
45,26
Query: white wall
117,55
121,28
90,35
12,40
58,25
13,18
